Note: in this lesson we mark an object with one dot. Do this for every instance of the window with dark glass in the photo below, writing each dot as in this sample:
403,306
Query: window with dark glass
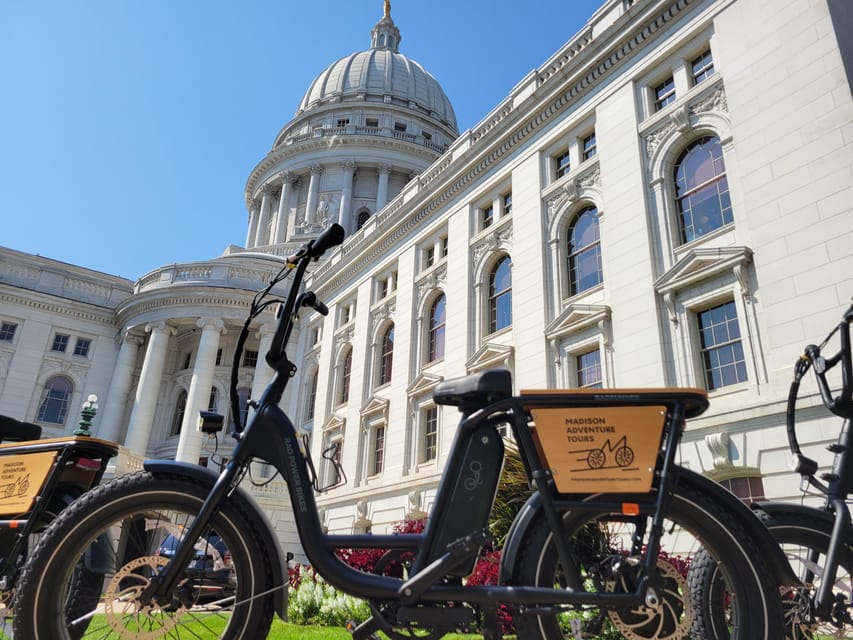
487,217
563,164
363,217
81,347
500,295
218,357
430,434
213,400
507,202
584,252
7,331
371,122
178,418
250,358
429,257
378,450
589,369
346,371
399,126
437,321
702,189
312,397
55,399
386,356
426,135
664,93
589,146
721,346
443,246
342,122
60,343
702,67
187,359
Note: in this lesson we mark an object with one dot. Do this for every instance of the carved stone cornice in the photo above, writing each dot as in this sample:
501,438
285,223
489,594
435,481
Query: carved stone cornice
585,184
384,311
432,280
500,238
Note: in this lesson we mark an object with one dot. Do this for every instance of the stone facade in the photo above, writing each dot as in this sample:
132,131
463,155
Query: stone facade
561,237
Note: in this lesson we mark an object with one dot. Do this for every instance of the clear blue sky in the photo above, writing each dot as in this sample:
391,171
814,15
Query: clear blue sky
128,128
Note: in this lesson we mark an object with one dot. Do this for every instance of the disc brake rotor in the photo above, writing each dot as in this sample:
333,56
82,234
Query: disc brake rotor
125,615
670,620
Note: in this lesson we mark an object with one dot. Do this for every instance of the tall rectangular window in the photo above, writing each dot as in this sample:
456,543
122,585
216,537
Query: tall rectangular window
702,67
664,93
562,164
378,450
589,369
429,448
721,346
60,343
507,202
487,217
7,331
81,347
589,146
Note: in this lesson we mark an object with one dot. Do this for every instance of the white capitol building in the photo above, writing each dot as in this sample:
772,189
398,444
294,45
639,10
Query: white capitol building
666,201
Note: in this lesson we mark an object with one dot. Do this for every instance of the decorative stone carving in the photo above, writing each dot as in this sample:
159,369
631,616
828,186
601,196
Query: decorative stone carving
714,101
721,453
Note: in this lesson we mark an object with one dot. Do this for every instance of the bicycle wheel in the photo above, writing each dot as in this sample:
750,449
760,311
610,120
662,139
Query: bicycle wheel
605,549
123,530
805,542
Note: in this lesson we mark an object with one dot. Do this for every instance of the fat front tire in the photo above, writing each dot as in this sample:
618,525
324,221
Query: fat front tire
120,536
606,553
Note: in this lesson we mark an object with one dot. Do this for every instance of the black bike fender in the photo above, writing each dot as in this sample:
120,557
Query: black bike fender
777,562
248,505
771,508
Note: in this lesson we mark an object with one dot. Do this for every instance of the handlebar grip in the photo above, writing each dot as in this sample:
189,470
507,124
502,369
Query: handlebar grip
331,237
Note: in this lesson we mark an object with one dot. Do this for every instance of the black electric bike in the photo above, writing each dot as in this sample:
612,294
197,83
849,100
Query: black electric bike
819,541
609,540
38,480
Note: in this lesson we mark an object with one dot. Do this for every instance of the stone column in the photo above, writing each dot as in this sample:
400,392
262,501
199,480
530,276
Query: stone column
349,168
110,421
294,225
382,186
253,225
283,207
313,193
148,389
261,237
189,444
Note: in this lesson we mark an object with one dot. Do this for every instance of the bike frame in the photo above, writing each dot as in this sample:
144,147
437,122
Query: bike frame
457,525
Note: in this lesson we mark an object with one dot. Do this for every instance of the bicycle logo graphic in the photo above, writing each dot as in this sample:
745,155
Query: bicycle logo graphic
15,489
596,458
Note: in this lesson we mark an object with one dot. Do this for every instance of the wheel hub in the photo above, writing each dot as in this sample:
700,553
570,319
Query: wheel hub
122,609
669,620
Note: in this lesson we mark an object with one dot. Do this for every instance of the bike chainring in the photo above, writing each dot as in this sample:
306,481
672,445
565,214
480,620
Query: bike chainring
125,615
670,620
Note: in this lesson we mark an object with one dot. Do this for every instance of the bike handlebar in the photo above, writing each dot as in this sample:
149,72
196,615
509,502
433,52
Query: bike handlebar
841,405
312,250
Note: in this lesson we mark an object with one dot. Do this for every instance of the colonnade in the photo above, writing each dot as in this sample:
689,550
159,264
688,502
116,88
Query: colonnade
148,388
270,221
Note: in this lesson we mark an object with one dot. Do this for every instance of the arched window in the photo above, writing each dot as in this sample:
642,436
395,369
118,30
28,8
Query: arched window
55,399
437,322
500,295
386,355
701,189
346,371
584,252
363,216
180,408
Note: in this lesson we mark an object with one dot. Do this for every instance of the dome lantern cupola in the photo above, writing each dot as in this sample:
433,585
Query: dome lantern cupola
385,34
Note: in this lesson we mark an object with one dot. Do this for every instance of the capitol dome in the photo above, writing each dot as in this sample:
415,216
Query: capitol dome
381,75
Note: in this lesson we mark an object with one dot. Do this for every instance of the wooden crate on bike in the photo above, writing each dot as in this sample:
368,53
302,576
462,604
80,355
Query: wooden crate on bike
607,447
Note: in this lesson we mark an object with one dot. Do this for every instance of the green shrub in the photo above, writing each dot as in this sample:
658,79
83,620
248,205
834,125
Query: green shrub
315,601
